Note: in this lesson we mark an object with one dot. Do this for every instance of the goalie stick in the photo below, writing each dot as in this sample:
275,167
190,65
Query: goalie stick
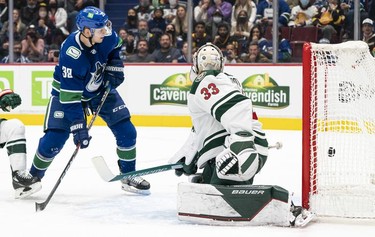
106,174
41,206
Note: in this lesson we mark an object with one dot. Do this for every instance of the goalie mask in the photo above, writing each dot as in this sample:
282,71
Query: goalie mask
208,57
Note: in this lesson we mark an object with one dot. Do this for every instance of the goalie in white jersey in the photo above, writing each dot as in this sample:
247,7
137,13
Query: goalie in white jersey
227,139
228,143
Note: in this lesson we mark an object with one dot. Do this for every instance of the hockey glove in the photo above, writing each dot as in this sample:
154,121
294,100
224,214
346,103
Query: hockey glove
188,154
80,134
240,161
9,100
187,169
114,73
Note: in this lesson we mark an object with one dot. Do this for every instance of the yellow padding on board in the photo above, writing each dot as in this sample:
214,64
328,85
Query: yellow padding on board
167,121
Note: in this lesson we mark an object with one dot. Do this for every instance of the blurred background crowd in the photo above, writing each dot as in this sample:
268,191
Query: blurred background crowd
158,30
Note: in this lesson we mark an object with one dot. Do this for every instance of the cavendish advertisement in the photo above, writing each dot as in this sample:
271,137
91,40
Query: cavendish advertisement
160,91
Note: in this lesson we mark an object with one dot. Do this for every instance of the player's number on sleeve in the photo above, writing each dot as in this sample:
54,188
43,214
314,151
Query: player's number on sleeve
67,72
211,89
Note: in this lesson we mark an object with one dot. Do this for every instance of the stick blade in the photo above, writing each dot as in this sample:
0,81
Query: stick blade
102,168
40,206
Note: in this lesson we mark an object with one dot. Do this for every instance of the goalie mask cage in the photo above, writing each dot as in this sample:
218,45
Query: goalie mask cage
338,168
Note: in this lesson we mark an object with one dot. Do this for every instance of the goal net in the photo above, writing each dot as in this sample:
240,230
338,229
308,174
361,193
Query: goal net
339,130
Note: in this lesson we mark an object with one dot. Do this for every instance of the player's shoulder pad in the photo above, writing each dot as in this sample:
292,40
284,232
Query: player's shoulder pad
113,40
204,76
71,47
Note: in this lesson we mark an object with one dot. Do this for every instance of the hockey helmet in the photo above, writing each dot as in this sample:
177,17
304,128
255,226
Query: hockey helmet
208,57
93,18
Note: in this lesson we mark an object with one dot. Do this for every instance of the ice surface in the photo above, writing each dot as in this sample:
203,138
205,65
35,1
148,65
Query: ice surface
84,205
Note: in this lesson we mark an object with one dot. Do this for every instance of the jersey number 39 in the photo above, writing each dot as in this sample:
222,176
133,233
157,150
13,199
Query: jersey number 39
211,89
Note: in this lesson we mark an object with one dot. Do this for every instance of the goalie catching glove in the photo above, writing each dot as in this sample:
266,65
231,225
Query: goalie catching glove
114,73
9,100
240,161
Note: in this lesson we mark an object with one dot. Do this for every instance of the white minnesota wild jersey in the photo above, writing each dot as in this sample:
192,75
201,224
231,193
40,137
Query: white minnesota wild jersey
218,108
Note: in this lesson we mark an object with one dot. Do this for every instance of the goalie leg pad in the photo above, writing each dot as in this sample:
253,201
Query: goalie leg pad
241,205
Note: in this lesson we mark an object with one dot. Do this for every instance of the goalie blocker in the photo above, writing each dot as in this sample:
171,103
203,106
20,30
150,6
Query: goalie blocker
243,205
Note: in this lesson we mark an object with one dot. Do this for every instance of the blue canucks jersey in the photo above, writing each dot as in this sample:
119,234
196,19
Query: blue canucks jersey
79,74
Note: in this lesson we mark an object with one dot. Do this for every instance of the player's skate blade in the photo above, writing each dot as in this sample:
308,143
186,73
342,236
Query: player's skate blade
304,218
136,185
27,191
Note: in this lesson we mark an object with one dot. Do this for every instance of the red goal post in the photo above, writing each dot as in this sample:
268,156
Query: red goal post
338,130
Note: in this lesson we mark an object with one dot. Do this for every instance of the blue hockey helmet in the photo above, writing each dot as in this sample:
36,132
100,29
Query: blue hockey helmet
92,18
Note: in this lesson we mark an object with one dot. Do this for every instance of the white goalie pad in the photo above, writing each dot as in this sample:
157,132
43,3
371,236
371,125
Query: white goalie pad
238,205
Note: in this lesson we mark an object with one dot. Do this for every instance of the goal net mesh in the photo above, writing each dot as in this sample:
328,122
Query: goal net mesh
339,130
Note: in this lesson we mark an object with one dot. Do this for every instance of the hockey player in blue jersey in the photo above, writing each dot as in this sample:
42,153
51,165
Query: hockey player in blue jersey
89,60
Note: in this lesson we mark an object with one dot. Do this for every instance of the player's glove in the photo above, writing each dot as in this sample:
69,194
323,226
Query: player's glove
80,134
240,161
188,155
114,73
9,100
187,169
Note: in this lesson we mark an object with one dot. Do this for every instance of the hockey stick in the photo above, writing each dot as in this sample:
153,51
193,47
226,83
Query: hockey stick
106,174
41,206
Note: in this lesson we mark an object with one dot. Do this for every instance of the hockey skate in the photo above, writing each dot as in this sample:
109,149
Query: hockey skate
24,184
300,216
136,185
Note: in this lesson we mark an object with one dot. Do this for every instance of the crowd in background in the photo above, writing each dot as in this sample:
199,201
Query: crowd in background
156,30
40,26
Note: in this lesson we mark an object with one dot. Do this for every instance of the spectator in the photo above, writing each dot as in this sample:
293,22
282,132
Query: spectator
201,11
144,10
33,45
19,28
241,31
265,13
143,33
170,10
142,55
171,30
200,37
214,22
58,16
29,13
247,5
157,24
167,53
230,54
256,34
184,53
224,7
330,19
3,12
223,37
44,26
284,53
293,3
368,34
254,55
348,7
303,14
131,23
53,53
127,46
181,24
18,57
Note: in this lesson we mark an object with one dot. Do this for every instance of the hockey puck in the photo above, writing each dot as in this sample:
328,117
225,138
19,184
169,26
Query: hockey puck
331,152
